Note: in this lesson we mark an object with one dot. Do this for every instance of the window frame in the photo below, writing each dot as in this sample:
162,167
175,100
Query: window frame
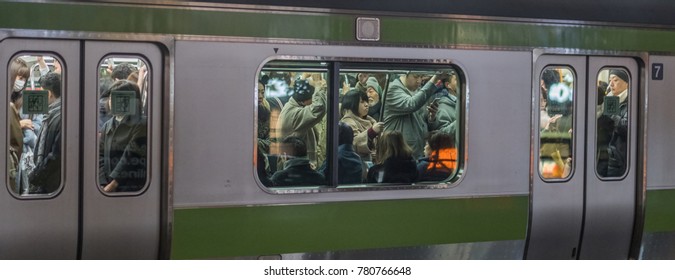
64,73
149,120
336,66
573,139
628,131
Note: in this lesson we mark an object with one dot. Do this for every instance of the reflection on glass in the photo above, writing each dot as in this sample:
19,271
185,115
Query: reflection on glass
122,125
34,158
556,122
612,122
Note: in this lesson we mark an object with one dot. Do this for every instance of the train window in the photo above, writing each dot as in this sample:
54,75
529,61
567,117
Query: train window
556,123
123,124
292,134
35,143
392,124
612,122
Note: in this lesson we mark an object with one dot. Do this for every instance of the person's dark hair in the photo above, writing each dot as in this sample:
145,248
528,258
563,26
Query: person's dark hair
52,82
126,85
18,68
550,77
345,134
440,140
264,79
352,100
122,71
294,146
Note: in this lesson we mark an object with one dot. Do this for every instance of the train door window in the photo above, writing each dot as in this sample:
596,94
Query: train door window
612,122
385,118
556,123
35,146
122,124
292,134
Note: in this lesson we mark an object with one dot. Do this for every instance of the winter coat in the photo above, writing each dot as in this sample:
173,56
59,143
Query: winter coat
15,145
363,145
446,118
123,153
350,167
404,112
297,172
46,177
298,120
617,148
394,170
431,169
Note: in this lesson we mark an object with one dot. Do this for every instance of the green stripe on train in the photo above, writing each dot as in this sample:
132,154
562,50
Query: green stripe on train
265,230
326,27
660,211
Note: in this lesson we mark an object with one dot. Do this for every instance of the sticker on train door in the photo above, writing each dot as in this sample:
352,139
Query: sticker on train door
611,105
35,102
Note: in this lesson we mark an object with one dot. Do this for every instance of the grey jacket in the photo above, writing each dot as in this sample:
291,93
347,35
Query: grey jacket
404,111
300,121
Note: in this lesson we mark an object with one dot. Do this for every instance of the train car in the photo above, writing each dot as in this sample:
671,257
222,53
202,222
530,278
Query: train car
156,129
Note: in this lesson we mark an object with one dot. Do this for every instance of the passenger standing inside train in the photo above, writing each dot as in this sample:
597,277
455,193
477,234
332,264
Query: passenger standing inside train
123,145
264,141
404,112
440,157
446,117
302,113
617,148
30,123
394,160
119,72
297,168
355,107
370,86
46,177
15,147
351,170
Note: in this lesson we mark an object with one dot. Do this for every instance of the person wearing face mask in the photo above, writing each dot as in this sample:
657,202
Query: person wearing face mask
123,144
30,123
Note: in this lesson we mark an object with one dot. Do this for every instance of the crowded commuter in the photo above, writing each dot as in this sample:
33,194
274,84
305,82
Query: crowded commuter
394,158
117,73
372,88
301,115
446,99
618,144
30,123
355,107
46,177
440,159
15,148
297,168
404,108
351,170
123,144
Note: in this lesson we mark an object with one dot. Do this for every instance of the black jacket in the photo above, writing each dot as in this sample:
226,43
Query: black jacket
123,153
46,177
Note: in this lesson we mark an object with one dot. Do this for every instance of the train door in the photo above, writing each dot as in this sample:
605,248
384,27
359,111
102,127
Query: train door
122,183
584,168
94,188
39,220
